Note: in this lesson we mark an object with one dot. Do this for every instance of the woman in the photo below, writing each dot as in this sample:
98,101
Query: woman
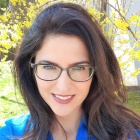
71,82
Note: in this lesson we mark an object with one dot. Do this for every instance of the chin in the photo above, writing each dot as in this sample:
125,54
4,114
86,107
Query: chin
61,114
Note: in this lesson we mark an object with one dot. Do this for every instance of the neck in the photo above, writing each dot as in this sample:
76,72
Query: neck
69,123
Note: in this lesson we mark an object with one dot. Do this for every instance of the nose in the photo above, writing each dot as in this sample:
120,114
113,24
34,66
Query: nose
63,83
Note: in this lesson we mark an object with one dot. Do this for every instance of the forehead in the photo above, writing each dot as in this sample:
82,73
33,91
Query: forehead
61,48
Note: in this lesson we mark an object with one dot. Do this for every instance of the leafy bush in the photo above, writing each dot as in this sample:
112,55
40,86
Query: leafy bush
11,102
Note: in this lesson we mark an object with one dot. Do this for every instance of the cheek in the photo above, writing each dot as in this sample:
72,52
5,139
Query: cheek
43,86
84,87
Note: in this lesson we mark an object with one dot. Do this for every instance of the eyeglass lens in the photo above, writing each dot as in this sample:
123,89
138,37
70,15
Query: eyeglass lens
52,72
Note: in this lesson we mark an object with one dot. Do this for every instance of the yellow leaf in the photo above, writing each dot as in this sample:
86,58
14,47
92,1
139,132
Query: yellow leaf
121,24
4,51
138,55
3,18
4,59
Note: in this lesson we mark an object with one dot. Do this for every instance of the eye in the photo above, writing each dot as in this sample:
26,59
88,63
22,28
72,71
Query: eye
49,67
78,68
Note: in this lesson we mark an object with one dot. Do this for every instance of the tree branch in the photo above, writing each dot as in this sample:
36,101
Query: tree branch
123,18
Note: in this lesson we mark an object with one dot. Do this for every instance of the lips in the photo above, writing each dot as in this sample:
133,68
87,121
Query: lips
63,99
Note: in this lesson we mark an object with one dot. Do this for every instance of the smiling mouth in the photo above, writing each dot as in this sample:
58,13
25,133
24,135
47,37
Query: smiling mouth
63,99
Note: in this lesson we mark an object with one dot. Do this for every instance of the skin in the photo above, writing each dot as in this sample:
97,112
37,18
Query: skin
64,50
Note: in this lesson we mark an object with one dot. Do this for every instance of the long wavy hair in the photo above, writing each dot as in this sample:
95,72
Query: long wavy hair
107,118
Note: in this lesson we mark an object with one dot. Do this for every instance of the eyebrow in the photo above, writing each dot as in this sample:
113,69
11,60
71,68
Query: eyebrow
49,62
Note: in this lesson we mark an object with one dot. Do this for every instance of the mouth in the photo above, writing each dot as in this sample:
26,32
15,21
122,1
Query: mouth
63,99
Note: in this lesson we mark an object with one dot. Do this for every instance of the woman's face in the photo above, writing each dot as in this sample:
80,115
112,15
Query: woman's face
63,95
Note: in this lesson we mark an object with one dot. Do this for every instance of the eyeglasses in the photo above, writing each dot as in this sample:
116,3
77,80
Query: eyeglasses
50,72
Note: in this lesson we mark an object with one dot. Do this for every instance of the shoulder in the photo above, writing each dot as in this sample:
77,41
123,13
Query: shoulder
14,127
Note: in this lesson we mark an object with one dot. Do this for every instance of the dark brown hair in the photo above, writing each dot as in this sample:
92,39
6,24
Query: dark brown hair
107,118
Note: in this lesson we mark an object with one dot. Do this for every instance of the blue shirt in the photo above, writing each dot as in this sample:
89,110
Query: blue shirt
15,127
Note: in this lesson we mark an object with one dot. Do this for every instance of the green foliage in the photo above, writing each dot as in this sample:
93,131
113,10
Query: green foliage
134,101
11,102
3,6
5,77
